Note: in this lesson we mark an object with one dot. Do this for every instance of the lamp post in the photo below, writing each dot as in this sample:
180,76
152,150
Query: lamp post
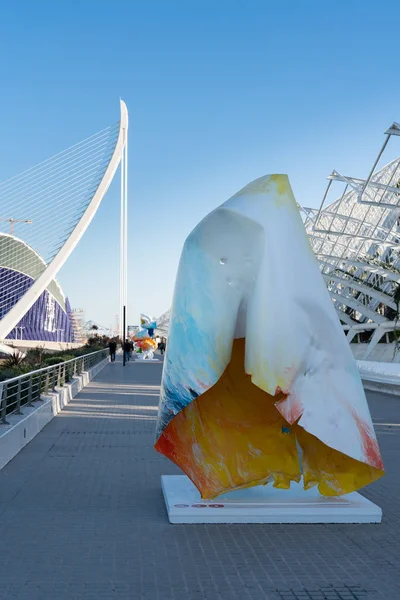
124,238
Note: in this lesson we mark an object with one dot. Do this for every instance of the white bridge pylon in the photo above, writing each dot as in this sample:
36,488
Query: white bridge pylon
59,197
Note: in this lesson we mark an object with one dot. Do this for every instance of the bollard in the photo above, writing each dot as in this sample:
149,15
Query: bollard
18,409
3,404
47,382
29,403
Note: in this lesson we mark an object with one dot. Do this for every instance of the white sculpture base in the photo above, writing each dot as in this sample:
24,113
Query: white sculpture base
148,360
264,504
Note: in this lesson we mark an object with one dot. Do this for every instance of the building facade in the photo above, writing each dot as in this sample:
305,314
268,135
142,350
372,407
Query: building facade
49,318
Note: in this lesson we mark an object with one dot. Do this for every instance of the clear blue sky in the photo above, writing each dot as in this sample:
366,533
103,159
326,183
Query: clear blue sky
219,92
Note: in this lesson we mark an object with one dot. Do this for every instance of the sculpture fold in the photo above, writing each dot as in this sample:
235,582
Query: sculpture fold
259,382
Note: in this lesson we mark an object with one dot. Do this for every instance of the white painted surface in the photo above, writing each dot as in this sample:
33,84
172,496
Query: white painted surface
264,504
23,428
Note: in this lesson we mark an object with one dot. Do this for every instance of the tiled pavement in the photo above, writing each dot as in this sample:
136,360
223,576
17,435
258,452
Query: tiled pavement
82,517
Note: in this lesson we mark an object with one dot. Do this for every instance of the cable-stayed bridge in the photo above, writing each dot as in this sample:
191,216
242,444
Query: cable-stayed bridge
44,212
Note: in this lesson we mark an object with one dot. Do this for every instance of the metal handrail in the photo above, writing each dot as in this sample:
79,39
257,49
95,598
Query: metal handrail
25,389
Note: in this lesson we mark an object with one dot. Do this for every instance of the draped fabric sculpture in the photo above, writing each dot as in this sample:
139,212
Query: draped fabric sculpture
144,338
259,382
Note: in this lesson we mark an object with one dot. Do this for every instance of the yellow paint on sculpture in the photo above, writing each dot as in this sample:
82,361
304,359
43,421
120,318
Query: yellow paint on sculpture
262,185
233,436
334,472
282,183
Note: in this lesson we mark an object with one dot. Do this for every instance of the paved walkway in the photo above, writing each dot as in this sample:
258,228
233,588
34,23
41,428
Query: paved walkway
82,517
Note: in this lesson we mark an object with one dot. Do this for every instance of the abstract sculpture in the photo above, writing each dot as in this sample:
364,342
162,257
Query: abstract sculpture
144,338
259,382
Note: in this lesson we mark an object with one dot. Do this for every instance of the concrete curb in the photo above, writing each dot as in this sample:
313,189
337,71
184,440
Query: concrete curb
23,428
384,388
380,376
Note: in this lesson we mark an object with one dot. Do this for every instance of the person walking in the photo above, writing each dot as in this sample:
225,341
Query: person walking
127,350
162,347
112,346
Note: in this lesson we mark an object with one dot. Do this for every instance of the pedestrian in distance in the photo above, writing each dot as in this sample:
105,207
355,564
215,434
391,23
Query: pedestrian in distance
127,350
161,347
112,346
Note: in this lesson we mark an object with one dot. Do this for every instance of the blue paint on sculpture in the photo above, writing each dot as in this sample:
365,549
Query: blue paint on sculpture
194,347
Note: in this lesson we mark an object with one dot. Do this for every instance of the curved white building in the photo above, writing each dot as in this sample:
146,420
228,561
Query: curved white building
48,319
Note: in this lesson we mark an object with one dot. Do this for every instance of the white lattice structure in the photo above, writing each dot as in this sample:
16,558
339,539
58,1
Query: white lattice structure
163,324
356,241
51,205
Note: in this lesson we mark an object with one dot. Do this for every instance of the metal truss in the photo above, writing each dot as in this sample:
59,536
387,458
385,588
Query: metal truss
163,324
356,239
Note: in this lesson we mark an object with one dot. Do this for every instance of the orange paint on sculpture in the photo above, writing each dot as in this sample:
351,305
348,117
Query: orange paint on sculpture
231,436
234,436
145,343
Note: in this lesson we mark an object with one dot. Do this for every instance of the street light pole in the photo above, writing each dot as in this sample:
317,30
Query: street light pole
124,328
124,239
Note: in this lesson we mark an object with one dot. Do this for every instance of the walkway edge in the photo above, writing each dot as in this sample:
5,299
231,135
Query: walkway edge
23,428
380,376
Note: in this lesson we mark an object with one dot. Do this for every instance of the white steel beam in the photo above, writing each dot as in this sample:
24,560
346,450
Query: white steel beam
364,289
390,275
357,183
355,305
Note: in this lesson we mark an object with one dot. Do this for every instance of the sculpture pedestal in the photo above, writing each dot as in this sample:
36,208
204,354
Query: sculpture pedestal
148,360
264,504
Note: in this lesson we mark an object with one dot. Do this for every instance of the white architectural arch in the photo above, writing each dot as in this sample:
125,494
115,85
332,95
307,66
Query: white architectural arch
56,201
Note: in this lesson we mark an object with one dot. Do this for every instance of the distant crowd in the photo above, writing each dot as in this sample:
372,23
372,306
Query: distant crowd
128,348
